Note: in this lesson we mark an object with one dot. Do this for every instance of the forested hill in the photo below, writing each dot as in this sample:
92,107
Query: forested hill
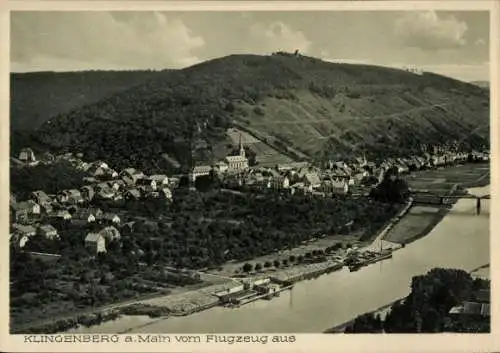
38,96
325,110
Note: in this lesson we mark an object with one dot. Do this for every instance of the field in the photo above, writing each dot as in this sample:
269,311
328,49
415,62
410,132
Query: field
266,156
444,179
417,223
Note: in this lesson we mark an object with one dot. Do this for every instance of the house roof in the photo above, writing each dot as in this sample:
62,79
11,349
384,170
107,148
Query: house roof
48,228
87,187
312,178
24,205
60,213
158,177
134,192
41,195
110,232
74,193
339,184
201,168
83,214
109,216
93,237
24,229
132,172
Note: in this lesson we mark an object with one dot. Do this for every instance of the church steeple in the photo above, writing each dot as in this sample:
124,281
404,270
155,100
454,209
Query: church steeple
242,150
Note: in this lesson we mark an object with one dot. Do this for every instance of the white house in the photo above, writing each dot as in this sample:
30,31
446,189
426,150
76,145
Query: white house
95,242
48,231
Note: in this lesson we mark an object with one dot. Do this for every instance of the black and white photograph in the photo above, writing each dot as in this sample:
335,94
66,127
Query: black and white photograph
243,172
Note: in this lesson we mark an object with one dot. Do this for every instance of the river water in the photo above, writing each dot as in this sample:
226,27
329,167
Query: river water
460,240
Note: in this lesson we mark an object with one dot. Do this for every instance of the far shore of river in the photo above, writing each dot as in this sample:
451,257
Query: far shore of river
414,223
384,310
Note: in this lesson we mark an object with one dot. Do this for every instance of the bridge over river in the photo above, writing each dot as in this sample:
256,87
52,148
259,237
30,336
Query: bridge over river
425,197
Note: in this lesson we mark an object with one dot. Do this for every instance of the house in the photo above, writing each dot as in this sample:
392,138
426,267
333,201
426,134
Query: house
280,182
111,218
199,171
96,171
75,197
174,182
40,197
128,227
471,308
61,215
18,240
98,164
335,186
82,166
24,230
84,216
110,234
133,194
312,180
72,196
221,167
130,176
27,156
357,178
160,180
87,192
117,185
166,193
48,231
104,191
95,243
25,211
146,181
148,191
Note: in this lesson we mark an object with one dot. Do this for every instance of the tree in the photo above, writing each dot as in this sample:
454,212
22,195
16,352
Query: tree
392,189
276,263
258,267
247,267
292,258
204,183
267,264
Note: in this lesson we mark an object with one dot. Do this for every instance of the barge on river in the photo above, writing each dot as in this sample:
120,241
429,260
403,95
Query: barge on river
249,291
358,262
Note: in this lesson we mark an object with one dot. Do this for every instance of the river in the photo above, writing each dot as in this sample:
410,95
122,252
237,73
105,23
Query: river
460,240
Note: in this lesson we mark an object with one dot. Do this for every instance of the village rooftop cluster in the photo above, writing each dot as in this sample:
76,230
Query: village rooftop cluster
42,211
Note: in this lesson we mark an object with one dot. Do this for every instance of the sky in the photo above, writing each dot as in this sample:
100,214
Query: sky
454,44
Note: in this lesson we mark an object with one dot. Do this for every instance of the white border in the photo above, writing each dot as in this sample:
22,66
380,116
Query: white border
305,342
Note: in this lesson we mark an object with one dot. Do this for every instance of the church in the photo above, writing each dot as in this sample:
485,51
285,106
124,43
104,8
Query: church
237,163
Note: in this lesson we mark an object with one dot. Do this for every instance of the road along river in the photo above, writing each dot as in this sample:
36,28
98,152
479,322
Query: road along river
460,240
